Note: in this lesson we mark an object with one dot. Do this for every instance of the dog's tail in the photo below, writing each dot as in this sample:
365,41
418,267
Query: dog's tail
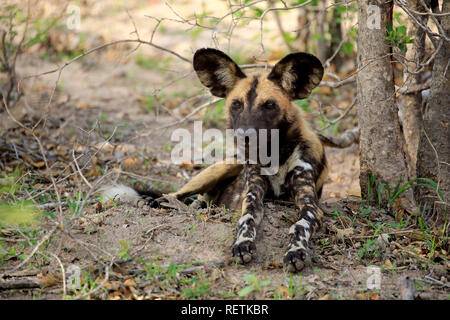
123,193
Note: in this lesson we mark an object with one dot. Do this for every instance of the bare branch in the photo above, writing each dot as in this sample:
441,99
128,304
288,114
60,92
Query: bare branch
348,138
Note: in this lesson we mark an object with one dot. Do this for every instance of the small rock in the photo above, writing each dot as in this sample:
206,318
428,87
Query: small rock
407,288
382,241
425,296
140,204
439,272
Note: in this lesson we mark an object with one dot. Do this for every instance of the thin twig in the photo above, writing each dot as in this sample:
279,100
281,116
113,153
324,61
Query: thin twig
63,274
79,171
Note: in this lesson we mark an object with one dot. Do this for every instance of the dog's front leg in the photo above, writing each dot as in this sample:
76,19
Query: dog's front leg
304,192
252,213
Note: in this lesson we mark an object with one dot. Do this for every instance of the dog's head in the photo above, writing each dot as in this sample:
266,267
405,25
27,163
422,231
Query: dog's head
260,101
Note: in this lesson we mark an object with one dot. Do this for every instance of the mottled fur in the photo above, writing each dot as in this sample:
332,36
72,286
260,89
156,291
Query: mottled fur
263,101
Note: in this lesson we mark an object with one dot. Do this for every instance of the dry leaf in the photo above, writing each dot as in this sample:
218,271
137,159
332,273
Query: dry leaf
360,296
126,148
105,146
185,165
354,207
61,150
98,207
399,209
38,164
273,265
284,291
130,282
49,280
115,296
341,234
94,172
388,263
326,91
131,163
374,296
81,106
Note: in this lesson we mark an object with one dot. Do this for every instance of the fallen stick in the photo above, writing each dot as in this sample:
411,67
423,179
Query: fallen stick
22,284
63,204
22,273
202,267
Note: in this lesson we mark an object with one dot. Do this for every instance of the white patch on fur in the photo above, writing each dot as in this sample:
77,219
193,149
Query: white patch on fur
307,235
294,246
244,219
294,160
304,223
305,165
121,193
241,238
251,195
277,180
292,229
311,215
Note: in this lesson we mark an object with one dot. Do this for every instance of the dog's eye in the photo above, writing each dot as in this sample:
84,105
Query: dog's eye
270,105
236,106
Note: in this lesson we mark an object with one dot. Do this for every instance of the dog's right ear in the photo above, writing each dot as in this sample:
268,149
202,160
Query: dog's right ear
216,71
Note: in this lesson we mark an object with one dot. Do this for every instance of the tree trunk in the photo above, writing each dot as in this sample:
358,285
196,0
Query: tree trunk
321,31
382,155
434,147
335,28
412,102
303,30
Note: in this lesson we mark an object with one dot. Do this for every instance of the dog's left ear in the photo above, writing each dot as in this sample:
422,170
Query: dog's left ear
298,74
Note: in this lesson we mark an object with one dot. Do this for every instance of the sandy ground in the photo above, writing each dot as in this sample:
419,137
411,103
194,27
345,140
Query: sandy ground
107,91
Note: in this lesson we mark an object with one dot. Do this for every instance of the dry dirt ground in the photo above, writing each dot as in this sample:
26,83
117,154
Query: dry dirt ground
114,113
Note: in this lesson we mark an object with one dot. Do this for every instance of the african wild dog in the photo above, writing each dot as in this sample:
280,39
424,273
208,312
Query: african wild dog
263,101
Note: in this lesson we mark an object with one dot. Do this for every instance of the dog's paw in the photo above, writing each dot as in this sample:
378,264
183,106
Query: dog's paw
244,250
198,204
155,203
296,260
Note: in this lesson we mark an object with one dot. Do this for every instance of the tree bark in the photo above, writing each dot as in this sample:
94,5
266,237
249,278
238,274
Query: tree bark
303,30
335,28
434,147
321,23
412,102
382,155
